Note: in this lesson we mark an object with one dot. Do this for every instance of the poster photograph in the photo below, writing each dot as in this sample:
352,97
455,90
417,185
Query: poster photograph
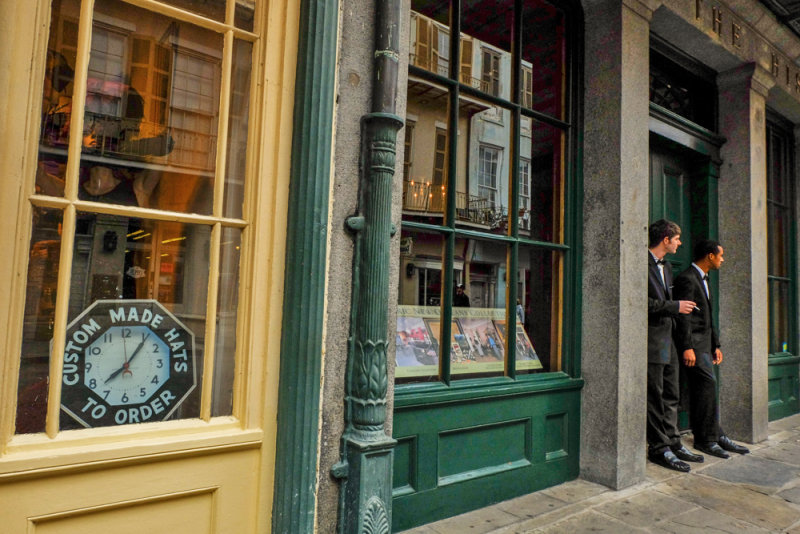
477,343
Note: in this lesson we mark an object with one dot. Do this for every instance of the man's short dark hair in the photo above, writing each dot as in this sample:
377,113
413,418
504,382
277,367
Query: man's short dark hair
660,229
703,248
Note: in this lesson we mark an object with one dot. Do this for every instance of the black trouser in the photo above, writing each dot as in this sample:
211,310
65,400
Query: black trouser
703,408
663,395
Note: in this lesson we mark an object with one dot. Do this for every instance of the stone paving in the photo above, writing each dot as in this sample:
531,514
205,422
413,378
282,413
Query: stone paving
755,493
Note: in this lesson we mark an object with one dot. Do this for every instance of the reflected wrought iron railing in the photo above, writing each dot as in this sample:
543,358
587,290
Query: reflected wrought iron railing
427,198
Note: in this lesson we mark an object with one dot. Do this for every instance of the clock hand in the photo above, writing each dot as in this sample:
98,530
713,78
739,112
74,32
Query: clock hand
126,366
138,349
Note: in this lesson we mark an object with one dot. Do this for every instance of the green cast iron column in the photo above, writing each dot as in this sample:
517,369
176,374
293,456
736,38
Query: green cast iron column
304,289
367,452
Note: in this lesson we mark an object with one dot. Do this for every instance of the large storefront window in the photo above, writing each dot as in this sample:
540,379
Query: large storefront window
131,303
781,233
484,230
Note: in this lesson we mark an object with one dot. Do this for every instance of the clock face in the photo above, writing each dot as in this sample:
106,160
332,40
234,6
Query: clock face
126,361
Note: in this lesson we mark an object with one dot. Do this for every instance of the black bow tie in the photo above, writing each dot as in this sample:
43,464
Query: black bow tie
661,262
705,277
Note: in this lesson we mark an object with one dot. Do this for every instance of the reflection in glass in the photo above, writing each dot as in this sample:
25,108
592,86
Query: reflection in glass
152,102
478,345
539,280
227,306
419,298
779,306
237,129
541,193
59,73
213,9
39,318
488,52
123,258
430,36
543,58
244,14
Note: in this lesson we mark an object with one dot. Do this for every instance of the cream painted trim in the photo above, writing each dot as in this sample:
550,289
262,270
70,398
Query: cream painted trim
263,243
95,456
277,101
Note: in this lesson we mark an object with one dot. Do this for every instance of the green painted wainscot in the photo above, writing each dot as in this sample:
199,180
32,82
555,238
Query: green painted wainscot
784,386
479,442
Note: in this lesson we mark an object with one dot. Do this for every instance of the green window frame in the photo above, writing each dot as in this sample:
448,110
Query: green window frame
565,234
781,239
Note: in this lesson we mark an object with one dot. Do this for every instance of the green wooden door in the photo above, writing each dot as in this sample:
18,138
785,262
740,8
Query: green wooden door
671,173
683,190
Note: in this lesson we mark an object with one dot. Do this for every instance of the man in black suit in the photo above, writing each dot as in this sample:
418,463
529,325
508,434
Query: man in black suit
698,343
663,437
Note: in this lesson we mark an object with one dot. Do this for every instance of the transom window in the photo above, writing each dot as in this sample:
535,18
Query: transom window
484,272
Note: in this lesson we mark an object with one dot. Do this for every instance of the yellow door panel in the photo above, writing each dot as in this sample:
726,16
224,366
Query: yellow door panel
201,494
192,513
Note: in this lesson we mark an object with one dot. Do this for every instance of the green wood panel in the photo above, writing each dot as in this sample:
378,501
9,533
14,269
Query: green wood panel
784,386
484,448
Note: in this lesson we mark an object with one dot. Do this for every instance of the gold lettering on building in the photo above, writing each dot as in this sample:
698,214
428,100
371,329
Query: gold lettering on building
716,19
736,35
775,64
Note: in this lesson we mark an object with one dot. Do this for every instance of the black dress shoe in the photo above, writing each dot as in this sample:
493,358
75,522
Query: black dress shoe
713,449
726,443
670,461
688,456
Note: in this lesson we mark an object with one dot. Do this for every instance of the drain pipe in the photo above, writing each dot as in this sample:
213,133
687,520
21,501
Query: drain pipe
365,469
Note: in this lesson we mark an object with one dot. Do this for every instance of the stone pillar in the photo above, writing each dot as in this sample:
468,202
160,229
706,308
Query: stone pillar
743,234
615,219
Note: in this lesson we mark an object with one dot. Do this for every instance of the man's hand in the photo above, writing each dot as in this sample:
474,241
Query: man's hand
686,306
717,357
689,357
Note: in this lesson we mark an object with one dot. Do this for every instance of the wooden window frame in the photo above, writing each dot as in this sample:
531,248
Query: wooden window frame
255,400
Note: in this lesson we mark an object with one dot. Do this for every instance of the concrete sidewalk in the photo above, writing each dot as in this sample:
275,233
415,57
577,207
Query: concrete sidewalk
757,492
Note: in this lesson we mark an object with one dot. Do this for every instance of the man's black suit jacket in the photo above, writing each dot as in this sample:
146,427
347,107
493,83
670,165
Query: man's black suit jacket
661,313
695,330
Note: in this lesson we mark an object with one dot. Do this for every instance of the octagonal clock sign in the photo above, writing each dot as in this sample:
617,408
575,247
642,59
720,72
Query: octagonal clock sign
126,361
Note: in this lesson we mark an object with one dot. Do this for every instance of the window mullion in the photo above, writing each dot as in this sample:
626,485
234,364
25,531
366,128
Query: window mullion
222,127
211,324
60,322
79,100
68,223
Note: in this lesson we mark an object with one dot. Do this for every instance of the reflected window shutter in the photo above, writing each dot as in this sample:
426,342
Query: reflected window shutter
466,61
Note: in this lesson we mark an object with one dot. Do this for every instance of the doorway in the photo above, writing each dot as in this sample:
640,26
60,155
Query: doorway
683,189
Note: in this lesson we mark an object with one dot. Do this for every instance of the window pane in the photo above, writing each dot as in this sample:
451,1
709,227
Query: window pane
779,226
237,129
147,269
779,306
541,193
213,9
539,290
543,58
152,102
57,98
488,25
227,307
479,309
37,329
244,14
426,152
430,36
419,299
